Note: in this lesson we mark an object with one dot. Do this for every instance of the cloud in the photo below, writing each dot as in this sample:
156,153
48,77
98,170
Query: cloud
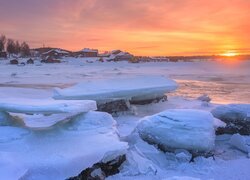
168,27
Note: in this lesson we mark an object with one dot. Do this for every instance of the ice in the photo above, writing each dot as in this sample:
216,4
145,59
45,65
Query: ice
181,178
45,106
232,112
4,118
40,121
239,142
61,152
10,169
179,129
119,88
8,133
236,117
51,152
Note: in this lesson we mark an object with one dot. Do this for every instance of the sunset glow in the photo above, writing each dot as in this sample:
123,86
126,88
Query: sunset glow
142,27
230,54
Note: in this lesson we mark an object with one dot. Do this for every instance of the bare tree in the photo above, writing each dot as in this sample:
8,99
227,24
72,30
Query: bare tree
10,47
17,47
2,42
25,49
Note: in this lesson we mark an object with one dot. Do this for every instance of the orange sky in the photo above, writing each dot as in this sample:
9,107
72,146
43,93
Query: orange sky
142,27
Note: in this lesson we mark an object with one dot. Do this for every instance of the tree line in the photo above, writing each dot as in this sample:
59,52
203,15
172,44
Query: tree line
14,47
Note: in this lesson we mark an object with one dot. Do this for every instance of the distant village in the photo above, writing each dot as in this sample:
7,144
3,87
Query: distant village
13,51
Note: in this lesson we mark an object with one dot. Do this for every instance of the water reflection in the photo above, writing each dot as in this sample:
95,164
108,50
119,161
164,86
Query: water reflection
220,92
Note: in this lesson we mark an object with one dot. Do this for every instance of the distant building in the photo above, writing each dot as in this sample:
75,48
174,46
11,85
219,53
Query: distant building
50,60
14,61
55,53
118,55
30,61
86,52
3,55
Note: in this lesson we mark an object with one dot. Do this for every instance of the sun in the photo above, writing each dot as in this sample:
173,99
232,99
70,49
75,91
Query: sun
230,54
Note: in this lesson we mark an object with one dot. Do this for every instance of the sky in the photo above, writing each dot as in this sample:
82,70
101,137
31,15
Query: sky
142,27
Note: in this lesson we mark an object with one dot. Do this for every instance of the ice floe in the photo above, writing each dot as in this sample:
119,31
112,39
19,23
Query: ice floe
179,129
61,152
135,88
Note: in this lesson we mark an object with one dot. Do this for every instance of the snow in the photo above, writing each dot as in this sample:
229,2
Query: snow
57,51
61,152
118,88
45,106
179,129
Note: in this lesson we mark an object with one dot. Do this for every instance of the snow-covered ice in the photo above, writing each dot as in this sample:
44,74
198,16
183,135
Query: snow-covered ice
72,145
135,88
179,129
46,106
240,143
61,152
232,112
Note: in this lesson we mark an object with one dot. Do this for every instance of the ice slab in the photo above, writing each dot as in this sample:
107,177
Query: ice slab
239,142
61,152
119,88
40,121
232,112
45,106
179,129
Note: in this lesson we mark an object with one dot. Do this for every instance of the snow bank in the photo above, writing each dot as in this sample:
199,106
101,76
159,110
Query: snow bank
179,129
45,106
61,152
121,88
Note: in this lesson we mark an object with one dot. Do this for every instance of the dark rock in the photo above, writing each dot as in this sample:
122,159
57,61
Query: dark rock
149,101
101,170
204,98
114,106
234,127
236,117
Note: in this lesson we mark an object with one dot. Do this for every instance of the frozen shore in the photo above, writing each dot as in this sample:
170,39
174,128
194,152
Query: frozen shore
69,147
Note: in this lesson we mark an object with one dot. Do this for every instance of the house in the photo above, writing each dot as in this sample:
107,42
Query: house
14,61
30,61
124,57
55,53
3,55
86,52
50,60
118,55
